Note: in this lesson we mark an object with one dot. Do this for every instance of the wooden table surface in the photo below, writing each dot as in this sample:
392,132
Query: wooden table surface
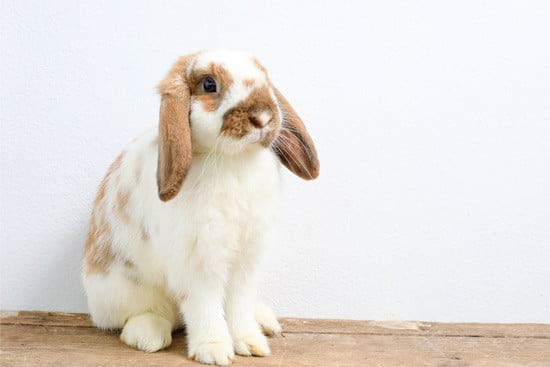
44,339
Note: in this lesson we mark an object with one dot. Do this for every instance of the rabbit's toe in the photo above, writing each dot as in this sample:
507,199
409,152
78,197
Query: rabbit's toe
252,344
218,353
266,320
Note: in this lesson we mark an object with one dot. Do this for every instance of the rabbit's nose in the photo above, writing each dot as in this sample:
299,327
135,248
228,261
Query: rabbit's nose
260,120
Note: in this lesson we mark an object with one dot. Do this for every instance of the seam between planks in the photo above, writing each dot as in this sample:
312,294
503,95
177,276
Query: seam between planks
434,335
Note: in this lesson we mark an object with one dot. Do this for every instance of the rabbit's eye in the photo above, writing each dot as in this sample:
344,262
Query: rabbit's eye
209,85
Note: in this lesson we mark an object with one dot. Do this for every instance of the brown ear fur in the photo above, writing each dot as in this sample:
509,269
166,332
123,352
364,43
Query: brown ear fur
174,131
294,146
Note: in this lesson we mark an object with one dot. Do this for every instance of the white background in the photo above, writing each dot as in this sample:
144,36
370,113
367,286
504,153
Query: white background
431,118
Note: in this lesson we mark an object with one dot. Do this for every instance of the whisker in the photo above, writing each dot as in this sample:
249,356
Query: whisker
299,140
302,144
207,162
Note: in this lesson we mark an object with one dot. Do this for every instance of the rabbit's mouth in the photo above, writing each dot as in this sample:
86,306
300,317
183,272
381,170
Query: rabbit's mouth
232,143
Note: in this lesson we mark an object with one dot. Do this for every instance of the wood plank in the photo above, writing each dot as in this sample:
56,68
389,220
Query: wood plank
293,325
62,346
324,326
45,318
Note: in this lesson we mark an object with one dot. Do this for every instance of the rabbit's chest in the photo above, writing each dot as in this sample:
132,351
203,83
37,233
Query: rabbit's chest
242,197
233,203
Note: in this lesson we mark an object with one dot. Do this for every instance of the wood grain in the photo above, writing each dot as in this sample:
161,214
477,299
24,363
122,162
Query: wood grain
63,340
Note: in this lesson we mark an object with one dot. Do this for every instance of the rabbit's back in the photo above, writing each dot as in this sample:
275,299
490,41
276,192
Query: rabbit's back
121,223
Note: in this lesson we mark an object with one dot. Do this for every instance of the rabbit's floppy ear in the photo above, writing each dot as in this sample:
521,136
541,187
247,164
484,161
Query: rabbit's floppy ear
294,146
174,152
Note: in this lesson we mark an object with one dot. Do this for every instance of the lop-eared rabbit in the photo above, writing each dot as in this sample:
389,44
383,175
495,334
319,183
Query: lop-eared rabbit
181,216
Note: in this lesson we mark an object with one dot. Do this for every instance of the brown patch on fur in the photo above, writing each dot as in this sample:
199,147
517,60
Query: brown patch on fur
237,121
122,199
98,251
236,124
98,248
249,82
182,299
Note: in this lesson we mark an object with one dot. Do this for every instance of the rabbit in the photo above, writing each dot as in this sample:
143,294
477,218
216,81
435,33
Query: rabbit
181,216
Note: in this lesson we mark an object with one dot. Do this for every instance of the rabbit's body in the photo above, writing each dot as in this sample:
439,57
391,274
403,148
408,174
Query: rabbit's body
177,230
227,201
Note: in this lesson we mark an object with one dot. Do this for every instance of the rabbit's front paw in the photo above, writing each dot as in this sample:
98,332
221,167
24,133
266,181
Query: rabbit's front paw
218,353
254,344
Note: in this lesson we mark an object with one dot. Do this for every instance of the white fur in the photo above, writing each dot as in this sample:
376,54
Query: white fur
198,257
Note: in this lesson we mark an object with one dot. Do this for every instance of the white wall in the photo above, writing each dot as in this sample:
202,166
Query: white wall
432,120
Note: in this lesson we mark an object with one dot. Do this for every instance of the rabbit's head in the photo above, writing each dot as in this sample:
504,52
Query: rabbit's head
224,101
